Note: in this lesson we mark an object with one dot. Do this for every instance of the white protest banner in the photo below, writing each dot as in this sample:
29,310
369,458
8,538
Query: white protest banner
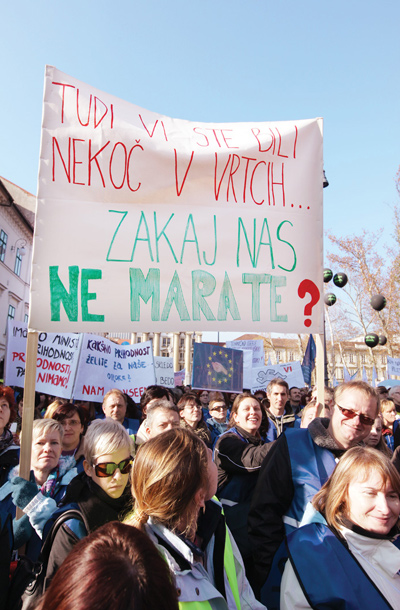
176,224
104,365
57,359
248,359
393,366
290,372
257,347
179,377
14,361
247,363
164,369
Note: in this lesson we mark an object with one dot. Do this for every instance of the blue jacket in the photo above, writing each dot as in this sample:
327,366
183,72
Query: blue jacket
311,467
295,468
328,573
277,425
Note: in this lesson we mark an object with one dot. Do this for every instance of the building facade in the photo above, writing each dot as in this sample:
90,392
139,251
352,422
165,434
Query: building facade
353,354
17,219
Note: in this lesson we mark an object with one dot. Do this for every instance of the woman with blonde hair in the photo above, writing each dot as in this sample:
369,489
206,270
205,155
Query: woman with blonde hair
388,412
311,411
53,406
40,496
173,481
344,557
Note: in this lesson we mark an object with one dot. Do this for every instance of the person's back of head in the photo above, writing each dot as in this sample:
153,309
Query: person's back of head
152,392
117,567
167,472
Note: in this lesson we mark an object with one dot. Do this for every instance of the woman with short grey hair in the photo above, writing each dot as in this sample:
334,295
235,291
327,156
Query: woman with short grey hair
40,496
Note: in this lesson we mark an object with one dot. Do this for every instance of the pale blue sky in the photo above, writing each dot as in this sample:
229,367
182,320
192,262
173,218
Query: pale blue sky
223,61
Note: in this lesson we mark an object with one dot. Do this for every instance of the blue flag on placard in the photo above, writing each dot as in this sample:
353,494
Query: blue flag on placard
308,363
217,368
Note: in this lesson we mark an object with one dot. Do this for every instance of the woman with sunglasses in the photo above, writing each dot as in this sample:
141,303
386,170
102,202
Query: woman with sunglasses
101,493
217,422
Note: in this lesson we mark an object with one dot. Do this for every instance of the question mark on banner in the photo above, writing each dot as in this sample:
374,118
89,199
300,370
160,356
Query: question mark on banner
308,287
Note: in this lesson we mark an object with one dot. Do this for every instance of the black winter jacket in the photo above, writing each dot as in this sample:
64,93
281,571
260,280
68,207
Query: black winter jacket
274,494
97,509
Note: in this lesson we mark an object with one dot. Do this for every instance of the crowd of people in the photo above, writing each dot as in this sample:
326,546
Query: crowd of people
201,499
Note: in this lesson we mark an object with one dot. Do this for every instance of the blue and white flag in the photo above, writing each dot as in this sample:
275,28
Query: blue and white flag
347,376
308,363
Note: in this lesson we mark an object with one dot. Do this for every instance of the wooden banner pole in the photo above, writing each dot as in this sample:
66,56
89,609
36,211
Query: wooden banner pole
320,368
29,407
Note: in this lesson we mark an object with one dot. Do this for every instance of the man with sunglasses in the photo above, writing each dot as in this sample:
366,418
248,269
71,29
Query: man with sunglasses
296,467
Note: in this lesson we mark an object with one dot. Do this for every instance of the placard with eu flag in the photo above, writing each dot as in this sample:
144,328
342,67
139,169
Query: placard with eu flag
217,368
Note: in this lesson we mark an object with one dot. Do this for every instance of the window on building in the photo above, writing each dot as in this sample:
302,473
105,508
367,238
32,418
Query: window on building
18,263
278,356
3,245
383,359
351,358
182,342
26,318
11,312
363,359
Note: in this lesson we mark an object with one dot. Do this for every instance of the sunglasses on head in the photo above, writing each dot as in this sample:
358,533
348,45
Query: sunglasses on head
349,413
107,469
